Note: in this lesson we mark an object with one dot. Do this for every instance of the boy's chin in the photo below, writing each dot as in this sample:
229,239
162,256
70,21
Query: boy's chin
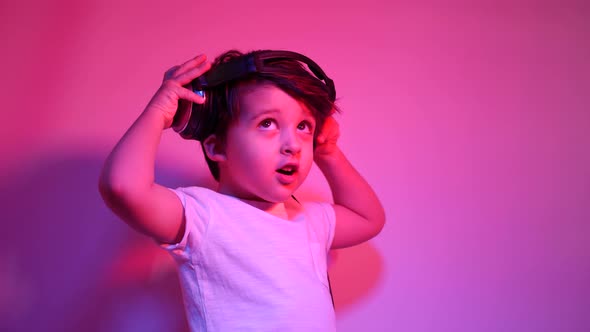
279,197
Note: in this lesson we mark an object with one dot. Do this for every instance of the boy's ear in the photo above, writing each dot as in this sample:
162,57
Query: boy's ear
214,148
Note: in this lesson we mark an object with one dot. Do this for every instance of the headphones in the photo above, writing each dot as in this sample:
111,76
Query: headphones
189,117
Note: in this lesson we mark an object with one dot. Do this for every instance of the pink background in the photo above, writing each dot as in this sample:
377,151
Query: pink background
471,121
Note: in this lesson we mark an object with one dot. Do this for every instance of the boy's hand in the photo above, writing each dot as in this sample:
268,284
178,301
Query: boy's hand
165,100
327,139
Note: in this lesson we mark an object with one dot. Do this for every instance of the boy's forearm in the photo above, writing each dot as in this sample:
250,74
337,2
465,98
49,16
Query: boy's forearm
131,164
349,188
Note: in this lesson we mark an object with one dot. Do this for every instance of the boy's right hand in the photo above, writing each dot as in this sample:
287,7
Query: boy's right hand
166,99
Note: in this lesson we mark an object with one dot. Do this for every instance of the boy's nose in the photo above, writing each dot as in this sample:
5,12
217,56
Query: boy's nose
291,144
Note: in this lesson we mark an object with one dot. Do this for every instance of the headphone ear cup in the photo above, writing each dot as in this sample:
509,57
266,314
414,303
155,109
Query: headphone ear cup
182,115
200,120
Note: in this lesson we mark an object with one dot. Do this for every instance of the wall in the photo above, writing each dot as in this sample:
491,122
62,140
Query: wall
470,120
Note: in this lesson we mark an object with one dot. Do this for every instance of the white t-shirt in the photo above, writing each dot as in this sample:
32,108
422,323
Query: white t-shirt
243,269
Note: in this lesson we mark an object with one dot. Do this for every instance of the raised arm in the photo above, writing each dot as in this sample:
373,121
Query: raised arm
126,182
359,214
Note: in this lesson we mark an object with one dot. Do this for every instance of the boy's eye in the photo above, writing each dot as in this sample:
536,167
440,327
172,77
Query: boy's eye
266,123
305,126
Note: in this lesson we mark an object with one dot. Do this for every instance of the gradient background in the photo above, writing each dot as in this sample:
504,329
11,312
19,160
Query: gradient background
471,121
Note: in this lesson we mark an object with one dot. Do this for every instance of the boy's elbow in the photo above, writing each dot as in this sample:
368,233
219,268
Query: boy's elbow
111,189
118,197
379,221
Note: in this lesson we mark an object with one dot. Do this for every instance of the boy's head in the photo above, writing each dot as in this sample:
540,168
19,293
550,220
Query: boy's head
225,103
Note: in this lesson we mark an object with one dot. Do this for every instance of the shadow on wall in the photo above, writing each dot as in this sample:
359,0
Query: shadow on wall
68,264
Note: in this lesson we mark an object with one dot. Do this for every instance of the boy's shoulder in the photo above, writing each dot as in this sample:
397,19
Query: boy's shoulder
192,196
195,191
205,192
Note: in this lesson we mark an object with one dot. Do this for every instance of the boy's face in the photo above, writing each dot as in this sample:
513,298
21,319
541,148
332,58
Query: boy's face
269,148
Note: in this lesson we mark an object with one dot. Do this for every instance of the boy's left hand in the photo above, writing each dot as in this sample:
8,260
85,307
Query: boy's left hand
327,138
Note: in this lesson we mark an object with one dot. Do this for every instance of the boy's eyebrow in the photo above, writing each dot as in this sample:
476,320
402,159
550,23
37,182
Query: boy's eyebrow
259,113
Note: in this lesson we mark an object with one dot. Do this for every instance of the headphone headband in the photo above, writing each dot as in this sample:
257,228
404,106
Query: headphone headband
256,62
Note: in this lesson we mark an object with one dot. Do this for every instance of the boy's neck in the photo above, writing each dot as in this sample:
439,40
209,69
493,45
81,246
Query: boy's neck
276,209
284,210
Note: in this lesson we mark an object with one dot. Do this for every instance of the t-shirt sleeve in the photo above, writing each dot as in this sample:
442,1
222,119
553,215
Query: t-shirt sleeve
323,219
196,214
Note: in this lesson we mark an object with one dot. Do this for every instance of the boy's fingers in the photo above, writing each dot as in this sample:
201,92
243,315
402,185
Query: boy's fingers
187,94
329,133
195,61
170,72
179,70
190,64
193,73
329,127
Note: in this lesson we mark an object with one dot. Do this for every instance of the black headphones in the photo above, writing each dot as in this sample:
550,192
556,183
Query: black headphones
189,116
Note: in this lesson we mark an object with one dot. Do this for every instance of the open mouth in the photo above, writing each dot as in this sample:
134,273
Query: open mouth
287,170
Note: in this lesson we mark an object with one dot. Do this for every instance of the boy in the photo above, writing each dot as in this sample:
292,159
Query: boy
250,256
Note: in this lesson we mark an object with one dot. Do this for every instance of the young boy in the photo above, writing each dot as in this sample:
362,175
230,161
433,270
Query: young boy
250,256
